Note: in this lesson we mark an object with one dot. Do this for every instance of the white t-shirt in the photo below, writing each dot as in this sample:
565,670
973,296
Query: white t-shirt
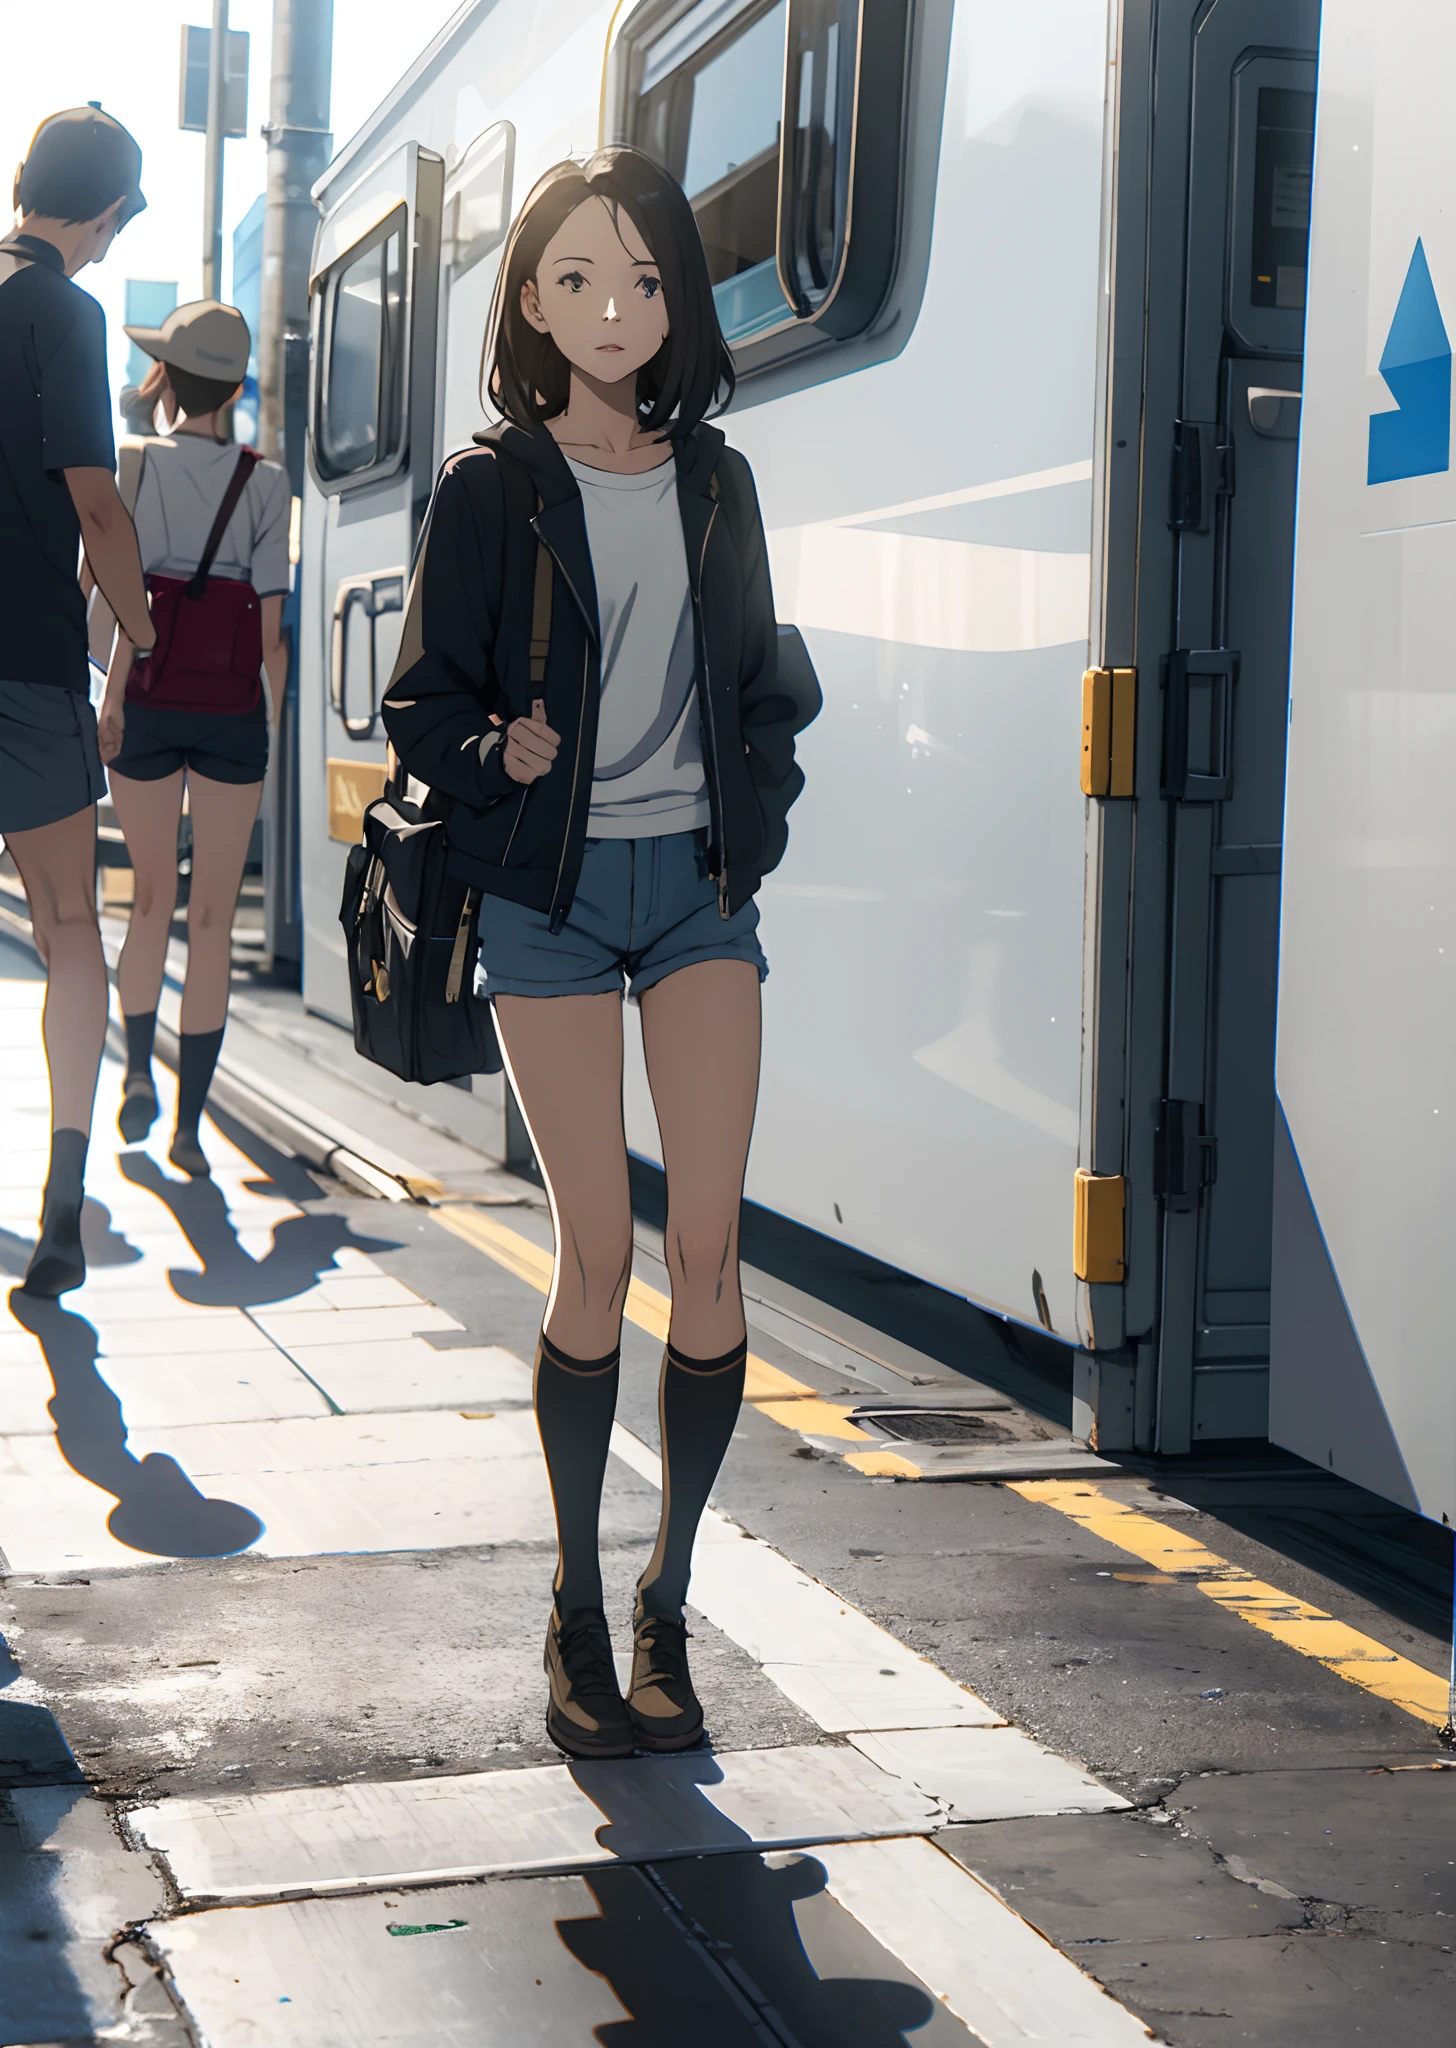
183,479
648,778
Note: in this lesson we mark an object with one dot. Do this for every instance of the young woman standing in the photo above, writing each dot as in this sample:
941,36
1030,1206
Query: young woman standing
620,776
206,728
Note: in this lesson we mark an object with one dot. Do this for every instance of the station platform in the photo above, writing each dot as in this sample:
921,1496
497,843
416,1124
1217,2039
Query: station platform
1007,1743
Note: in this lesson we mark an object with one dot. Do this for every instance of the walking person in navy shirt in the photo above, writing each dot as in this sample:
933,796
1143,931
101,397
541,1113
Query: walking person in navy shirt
77,188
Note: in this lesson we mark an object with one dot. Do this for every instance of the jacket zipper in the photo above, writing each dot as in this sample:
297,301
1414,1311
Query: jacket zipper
580,727
716,786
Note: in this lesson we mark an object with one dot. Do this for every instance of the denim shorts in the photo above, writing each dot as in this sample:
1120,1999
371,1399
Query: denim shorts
643,908
224,746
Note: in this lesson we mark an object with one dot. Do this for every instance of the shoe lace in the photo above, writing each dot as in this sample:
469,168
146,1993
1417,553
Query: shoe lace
666,1644
586,1653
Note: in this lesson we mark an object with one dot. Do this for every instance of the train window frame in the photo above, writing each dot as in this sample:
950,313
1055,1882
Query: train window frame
1261,329
872,79
392,404
494,145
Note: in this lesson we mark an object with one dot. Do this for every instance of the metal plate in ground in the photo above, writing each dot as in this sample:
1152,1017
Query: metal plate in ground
934,1425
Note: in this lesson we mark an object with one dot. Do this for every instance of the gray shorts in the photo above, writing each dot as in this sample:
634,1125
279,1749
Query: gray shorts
643,908
50,767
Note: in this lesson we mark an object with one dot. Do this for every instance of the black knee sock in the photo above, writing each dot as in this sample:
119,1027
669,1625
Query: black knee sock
698,1402
195,1064
576,1399
65,1187
140,1033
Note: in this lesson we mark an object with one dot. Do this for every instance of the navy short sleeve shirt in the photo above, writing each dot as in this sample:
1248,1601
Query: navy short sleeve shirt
55,415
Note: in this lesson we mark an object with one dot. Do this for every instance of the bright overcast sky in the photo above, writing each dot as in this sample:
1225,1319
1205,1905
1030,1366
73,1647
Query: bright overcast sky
62,53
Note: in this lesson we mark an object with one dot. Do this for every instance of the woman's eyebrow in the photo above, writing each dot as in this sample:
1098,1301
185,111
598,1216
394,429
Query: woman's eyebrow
572,259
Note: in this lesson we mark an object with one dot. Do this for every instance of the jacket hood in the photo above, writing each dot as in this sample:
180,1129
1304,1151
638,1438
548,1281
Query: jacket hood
537,452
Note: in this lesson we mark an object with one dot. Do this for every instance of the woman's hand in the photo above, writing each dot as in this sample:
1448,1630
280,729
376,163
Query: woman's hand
530,746
110,725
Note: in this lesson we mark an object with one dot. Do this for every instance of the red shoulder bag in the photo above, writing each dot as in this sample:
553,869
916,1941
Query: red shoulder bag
209,651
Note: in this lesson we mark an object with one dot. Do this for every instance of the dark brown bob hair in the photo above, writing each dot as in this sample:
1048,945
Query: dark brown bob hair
526,376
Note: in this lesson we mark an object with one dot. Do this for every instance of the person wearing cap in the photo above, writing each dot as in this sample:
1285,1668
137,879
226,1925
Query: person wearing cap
77,188
215,743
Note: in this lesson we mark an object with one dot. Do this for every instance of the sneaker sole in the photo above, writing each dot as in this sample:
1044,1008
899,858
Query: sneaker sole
659,1744
576,1745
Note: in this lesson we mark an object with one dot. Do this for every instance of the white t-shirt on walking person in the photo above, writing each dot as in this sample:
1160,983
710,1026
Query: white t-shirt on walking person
648,777
183,478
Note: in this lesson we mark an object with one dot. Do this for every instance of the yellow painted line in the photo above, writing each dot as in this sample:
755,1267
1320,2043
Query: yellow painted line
773,1393
1341,1649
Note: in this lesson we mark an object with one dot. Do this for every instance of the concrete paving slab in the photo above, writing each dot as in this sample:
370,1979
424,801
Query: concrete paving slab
409,1373
998,1974
558,1818
832,1661
705,1951
350,1326
979,1774
67,1887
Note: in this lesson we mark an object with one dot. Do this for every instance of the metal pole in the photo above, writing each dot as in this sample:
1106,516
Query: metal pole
299,144
212,172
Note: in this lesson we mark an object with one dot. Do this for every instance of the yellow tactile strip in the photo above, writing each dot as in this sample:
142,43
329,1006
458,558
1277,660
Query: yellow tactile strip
1181,1557
773,1393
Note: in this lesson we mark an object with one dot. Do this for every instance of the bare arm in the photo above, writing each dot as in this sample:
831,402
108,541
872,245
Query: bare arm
110,541
275,653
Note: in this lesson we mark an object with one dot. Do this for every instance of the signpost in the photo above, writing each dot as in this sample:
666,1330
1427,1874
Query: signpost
213,98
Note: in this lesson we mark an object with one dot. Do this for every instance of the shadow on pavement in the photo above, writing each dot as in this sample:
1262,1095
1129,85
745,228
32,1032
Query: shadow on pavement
158,1509
302,1247
709,1949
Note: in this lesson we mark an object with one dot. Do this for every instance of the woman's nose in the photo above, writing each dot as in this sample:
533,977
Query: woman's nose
611,312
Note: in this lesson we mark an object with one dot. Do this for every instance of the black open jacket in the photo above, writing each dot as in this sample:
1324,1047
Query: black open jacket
464,659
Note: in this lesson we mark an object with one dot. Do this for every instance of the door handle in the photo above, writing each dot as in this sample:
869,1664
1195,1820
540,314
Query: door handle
1198,693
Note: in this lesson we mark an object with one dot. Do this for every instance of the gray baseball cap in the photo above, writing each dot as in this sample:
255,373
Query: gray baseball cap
205,338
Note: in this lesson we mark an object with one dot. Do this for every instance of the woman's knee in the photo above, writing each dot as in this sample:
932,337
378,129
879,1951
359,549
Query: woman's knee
702,1252
594,1265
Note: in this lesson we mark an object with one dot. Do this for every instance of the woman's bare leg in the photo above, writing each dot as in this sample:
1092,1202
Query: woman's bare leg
148,813
222,815
57,864
565,1057
701,1034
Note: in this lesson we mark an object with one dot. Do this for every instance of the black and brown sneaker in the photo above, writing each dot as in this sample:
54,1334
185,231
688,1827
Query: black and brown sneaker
585,1714
661,1701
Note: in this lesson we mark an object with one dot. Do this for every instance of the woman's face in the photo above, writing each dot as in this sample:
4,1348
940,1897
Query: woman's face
598,294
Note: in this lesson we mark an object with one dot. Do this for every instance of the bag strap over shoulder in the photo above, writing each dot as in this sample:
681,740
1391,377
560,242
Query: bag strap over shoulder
238,483
540,614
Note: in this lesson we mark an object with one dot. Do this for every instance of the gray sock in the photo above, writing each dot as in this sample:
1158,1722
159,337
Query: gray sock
697,1403
576,1399
141,1032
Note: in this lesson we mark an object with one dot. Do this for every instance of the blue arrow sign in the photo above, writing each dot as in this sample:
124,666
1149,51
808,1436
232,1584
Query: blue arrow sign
1415,440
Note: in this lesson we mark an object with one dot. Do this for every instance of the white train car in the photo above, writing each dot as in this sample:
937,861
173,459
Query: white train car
1365,1176
1017,299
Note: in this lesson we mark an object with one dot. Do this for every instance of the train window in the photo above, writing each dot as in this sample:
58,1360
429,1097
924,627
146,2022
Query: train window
711,109
1273,162
360,407
478,199
782,120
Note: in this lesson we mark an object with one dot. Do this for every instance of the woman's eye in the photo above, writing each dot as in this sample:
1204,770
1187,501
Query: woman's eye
650,286
572,279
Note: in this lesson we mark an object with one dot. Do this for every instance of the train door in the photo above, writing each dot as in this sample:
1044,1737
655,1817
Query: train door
1222,299
374,294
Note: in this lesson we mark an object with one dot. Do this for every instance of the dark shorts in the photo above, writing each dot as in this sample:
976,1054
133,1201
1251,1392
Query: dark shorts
643,908
49,764
223,747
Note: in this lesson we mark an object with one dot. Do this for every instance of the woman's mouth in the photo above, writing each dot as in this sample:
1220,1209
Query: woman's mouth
609,348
